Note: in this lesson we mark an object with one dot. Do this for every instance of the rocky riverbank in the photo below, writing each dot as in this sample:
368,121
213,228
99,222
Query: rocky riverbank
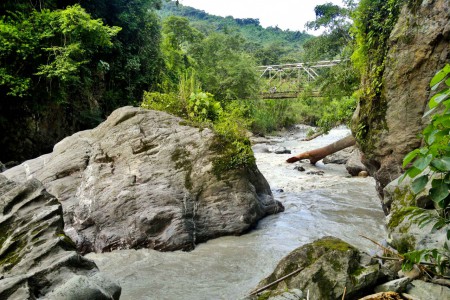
323,200
143,179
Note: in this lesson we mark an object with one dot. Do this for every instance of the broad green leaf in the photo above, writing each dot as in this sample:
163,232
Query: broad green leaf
439,97
447,178
419,184
429,112
447,82
439,191
440,75
442,164
422,162
442,204
446,104
413,172
444,121
423,151
432,136
436,182
410,156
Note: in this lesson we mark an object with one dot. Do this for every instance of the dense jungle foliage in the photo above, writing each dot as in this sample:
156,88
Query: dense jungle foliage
65,65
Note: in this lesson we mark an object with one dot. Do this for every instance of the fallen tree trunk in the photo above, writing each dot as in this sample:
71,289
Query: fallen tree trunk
320,153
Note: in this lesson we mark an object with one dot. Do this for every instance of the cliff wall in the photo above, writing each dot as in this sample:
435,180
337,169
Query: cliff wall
418,46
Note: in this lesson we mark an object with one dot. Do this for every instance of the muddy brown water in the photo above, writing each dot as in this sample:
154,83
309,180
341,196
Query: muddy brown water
230,267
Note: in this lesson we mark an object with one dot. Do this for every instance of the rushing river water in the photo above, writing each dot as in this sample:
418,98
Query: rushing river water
229,267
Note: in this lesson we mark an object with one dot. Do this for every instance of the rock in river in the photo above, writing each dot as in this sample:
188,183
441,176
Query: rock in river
144,179
36,259
324,268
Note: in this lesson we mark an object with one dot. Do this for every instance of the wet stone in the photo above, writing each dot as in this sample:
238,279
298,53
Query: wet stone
282,150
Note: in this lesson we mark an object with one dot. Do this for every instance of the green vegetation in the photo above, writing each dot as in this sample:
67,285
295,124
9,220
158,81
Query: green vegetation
71,63
373,23
270,45
201,109
224,52
432,163
68,64
334,244
336,85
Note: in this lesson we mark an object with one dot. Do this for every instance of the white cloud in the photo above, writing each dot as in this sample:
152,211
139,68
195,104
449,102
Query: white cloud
286,14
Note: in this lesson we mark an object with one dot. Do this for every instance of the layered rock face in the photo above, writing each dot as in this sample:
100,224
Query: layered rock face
36,259
143,179
418,47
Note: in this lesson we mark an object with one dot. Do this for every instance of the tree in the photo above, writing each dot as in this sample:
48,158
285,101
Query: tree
336,22
68,57
136,55
47,46
178,38
225,69
336,84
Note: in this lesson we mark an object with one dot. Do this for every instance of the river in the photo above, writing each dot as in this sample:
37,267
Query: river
229,267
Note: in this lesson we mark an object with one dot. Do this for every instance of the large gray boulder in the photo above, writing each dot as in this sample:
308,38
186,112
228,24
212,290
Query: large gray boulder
37,260
327,265
144,179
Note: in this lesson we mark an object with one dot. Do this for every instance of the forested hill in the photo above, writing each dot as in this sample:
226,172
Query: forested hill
285,45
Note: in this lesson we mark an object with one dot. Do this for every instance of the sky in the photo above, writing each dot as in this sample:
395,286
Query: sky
286,14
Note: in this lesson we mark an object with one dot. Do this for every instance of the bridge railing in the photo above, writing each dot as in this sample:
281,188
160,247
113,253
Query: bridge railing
291,76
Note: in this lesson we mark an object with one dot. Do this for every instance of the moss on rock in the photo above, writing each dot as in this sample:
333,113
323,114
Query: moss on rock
328,265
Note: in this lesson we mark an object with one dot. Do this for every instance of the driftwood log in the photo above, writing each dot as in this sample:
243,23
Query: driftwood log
320,153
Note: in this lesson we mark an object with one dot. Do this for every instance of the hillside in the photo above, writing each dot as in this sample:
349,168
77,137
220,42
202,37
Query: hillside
271,44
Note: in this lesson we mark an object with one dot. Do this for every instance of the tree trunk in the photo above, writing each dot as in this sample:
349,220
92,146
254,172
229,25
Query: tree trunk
320,153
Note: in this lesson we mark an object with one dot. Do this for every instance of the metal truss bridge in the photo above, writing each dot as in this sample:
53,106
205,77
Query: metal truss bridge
288,80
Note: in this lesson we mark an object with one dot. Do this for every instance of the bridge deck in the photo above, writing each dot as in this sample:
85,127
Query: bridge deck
286,81
286,95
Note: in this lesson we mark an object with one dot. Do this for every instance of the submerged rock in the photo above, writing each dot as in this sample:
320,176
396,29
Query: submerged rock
327,265
37,260
282,150
354,165
143,179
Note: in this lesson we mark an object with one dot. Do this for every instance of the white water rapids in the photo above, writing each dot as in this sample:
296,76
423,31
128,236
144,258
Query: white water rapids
230,267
